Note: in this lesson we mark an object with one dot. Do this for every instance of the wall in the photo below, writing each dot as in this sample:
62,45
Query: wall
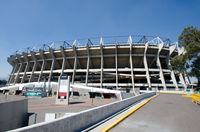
84,119
13,114
126,95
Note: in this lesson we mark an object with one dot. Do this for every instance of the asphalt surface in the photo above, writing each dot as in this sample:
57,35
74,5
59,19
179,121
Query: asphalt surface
165,113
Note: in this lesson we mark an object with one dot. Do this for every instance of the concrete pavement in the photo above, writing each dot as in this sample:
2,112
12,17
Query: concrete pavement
77,104
165,113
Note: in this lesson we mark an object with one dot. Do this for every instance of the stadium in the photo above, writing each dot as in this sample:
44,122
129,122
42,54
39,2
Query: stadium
126,63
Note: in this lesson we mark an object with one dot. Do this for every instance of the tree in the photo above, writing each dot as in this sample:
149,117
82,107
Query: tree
3,82
195,71
190,40
190,61
178,63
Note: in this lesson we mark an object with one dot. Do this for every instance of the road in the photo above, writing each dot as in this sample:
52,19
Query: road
165,113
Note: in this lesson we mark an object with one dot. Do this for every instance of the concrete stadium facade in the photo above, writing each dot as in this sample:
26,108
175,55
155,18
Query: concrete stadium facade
143,64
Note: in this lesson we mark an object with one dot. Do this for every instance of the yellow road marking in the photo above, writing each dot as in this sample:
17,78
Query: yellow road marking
120,119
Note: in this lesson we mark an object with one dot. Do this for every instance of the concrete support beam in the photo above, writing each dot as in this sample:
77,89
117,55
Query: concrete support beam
187,78
116,66
13,73
63,67
20,69
26,68
24,75
146,66
102,62
131,64
64,60
88,65
173,77
13,63
43,64
34,65
33,70
181,50
181,77
52,64
160,46
75,64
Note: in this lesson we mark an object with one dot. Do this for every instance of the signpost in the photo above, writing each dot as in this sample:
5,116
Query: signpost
63,90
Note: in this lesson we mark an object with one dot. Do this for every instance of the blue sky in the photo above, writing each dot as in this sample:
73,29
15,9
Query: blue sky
25,23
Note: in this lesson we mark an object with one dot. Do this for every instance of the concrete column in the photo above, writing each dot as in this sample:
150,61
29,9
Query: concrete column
52,65
116,66
26,68
146,66
11,60
43,64
160,46
24,76
13,73
63,67
181,50
42,69
101,78
174,80
20,68
182,81
187,78
34,65
75,64
88,65
33,70
64,60
131,64
173,77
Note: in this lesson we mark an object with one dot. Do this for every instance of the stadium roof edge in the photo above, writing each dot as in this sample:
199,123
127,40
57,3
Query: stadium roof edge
105,40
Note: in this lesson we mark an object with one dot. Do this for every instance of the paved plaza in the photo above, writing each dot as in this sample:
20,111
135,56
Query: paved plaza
40,106
77,104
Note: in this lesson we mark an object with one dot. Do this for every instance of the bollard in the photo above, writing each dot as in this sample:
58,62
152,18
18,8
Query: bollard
6,95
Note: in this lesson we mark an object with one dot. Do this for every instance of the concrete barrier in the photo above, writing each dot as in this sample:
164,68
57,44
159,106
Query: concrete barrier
84,119
13,114
126,95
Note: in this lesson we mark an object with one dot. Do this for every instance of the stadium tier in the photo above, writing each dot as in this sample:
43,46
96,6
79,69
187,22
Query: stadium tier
130,63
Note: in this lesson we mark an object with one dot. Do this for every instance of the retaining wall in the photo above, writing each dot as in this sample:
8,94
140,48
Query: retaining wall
126,95
13,114
84,119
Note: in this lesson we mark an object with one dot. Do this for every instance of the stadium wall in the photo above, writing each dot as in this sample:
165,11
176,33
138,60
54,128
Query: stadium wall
129,66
